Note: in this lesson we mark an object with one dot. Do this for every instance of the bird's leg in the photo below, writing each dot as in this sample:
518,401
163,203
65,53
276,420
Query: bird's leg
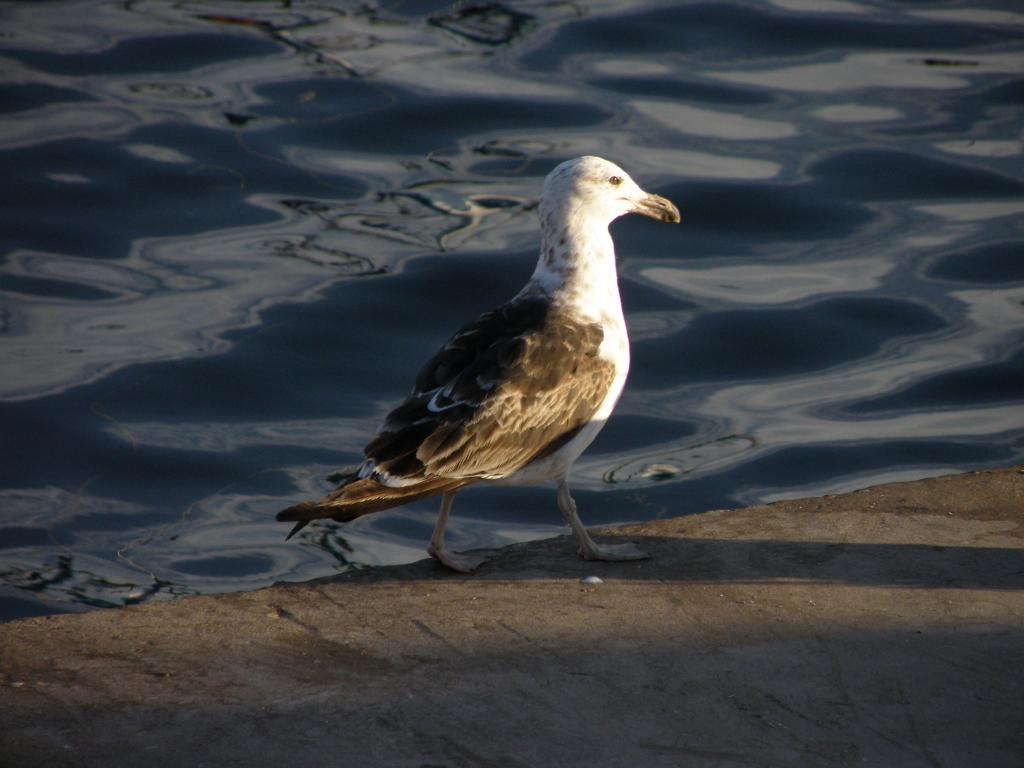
588,549
454,560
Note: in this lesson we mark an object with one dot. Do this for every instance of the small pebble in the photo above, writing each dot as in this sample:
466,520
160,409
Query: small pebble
591,580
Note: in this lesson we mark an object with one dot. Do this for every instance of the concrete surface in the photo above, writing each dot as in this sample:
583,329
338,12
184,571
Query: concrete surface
883,627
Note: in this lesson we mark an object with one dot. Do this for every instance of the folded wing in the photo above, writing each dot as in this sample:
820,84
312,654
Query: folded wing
508,389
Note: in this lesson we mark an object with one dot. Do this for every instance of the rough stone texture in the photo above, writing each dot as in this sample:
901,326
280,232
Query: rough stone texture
883,627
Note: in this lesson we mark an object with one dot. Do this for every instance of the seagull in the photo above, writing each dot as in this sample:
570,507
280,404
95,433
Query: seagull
514,397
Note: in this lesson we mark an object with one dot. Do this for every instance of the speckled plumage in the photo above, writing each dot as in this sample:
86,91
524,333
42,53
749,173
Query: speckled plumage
518,394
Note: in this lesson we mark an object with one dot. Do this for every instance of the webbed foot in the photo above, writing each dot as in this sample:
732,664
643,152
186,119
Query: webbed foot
463,562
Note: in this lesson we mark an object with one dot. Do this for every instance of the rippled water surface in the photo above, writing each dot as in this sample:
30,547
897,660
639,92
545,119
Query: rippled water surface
230,232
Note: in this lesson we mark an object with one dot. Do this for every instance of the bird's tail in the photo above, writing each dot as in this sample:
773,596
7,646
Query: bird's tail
360,496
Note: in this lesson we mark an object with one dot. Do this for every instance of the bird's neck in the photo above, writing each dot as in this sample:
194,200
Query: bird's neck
576,268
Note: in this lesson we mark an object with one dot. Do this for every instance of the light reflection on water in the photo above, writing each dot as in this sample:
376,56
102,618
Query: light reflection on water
231,232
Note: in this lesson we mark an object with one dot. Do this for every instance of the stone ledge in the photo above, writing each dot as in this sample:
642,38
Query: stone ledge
883,627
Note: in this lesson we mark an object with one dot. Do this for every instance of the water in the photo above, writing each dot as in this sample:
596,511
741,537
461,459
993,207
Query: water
231,232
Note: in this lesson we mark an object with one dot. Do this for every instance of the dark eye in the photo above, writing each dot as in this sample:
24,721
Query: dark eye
615,180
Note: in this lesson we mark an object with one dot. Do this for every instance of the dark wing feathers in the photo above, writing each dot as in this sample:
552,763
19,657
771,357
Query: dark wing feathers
480,350
529,417
450,389
507,389
359,497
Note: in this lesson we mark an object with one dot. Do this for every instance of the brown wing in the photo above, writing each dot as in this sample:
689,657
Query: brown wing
510,388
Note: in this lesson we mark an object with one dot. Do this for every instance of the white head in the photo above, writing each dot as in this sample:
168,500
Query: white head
594,188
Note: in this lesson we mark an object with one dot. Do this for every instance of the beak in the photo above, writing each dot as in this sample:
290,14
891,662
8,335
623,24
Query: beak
658,207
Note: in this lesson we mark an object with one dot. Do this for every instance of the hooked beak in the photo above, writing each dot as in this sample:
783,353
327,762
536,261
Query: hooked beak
658,207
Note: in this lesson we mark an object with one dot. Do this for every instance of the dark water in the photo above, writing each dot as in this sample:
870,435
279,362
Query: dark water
230,233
